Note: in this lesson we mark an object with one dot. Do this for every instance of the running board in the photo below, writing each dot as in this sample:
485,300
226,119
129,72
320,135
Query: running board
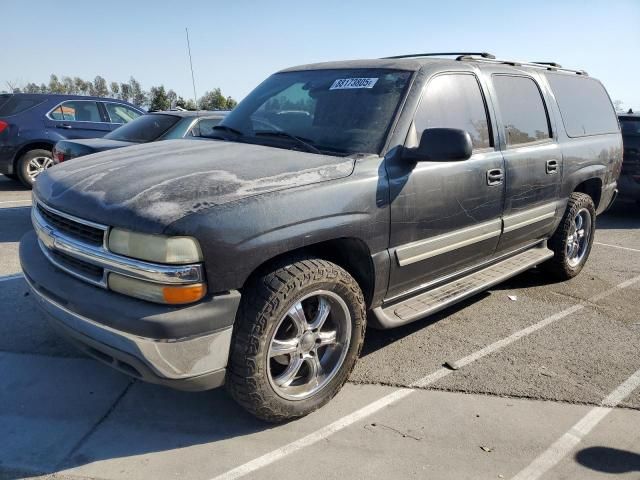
431,301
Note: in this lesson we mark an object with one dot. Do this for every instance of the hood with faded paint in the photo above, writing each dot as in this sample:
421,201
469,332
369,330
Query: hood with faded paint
147,187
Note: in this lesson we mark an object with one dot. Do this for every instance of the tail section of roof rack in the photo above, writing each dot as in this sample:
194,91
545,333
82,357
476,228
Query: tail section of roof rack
444,54
552,66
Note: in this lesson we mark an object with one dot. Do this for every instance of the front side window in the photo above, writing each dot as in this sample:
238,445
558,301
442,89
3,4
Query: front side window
145,128
522,109
455,101
119,113
77,111
339,111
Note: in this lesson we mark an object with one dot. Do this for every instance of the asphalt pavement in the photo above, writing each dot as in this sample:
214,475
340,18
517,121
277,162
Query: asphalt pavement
544,386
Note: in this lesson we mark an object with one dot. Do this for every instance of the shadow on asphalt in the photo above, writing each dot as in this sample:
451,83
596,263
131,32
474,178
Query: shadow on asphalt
15,222
9,185
621,216
609,460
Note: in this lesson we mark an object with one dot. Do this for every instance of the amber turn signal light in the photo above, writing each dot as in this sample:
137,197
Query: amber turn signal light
177,295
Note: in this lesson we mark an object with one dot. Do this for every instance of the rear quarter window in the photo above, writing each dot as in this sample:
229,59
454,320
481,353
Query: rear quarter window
584,105
17,104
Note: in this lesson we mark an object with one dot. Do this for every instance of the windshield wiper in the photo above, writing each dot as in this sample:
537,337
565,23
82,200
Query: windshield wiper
228,129
282,133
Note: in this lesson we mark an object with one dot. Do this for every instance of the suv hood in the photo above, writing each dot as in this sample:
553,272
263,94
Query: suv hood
147,187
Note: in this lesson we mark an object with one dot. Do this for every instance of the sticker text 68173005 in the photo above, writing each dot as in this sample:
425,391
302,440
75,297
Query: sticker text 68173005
346,83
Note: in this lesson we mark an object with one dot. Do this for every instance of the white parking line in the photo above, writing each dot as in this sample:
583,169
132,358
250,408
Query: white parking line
15,201
566,443
617,246
396,395
10,277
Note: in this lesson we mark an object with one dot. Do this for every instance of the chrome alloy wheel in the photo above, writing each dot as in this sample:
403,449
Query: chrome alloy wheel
37,165
578,238
309,345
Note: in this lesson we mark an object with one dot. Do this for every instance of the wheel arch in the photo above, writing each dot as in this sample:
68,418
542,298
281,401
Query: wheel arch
34,145
350,253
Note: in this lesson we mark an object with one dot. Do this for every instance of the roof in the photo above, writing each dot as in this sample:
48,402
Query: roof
64,96
190,113
417,61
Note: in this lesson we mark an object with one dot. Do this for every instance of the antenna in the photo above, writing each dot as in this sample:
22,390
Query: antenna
193,78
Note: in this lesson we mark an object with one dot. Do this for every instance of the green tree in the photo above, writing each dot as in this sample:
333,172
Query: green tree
115,89
158,99
172,97
231,103
125,92
68,85
54,84
213,100
100,87
138,96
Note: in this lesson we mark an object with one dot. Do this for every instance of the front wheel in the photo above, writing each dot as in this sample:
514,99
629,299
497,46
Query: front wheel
32,164
571,242
297,337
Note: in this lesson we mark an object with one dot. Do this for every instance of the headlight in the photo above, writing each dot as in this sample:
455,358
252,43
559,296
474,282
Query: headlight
154,248
155,292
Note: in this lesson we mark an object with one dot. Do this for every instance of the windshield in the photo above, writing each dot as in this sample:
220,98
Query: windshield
630,126
145,128
333,111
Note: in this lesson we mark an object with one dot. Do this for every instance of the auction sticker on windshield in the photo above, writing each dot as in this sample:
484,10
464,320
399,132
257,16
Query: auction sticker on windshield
345,83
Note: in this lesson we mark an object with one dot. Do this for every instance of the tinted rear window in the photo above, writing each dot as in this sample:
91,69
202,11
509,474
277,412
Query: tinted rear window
630,126
522,110
584,105
146,128
18,104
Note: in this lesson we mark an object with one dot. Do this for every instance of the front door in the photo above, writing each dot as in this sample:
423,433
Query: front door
445,216
533,161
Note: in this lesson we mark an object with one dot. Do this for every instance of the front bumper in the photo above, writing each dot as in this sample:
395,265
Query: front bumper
194,362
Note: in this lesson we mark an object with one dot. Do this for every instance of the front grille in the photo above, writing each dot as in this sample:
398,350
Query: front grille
86,233
73,264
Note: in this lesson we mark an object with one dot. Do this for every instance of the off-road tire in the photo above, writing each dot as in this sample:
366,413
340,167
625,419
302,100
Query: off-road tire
265,300
23,162
558,266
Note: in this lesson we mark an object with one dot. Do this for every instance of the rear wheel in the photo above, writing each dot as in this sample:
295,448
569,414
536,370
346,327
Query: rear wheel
32,164
571,242
297,337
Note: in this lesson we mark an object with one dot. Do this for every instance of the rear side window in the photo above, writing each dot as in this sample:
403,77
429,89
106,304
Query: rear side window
584,105
119,113
77,111
18,104
522,109
145,128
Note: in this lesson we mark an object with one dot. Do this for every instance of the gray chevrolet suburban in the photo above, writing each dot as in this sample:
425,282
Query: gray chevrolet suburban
385,189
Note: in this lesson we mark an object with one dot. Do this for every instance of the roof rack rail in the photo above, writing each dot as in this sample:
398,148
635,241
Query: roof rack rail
443,54
552,66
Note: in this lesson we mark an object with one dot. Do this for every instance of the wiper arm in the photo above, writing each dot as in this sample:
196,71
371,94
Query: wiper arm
228,129
282,133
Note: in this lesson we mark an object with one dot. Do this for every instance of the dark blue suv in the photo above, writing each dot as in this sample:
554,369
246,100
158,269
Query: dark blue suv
31,124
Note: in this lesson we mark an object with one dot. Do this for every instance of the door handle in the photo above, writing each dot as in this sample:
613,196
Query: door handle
495,176
551,167
63,125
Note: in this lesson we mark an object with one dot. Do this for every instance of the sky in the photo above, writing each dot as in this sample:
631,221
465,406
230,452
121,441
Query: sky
237,43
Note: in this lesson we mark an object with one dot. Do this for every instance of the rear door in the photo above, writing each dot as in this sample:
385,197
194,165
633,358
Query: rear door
445,216
533,159
78,119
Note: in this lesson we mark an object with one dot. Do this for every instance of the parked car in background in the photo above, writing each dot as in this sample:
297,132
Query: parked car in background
151,127
629,183
31,124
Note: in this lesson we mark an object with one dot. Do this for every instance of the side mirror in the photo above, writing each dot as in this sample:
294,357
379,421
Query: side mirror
441,145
